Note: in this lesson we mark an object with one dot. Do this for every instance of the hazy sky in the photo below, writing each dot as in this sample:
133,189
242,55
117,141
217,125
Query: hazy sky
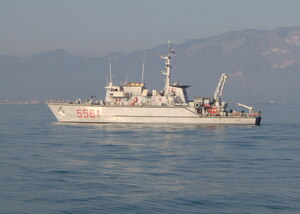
98,27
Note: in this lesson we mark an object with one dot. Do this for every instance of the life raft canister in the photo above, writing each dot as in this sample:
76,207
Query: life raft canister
212,110
132,103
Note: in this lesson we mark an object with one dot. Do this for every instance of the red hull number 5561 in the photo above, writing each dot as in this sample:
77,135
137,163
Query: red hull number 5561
87,113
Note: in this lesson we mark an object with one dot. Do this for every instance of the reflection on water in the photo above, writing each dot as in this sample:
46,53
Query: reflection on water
56,167
147,127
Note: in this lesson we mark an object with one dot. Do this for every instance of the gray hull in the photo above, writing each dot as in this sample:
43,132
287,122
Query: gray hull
136,114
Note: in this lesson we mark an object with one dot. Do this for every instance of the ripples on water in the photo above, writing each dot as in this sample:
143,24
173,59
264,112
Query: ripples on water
50,167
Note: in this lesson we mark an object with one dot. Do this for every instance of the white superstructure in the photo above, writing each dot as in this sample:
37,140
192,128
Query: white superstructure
134,103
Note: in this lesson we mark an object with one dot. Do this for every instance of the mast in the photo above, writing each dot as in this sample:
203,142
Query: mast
167,72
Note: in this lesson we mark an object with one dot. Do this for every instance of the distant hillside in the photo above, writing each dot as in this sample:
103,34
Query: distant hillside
263,65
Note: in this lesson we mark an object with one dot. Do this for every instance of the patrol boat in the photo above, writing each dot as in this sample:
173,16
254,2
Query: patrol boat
132,102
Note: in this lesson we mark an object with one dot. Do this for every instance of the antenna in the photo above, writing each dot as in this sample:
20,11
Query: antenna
143,68
110,77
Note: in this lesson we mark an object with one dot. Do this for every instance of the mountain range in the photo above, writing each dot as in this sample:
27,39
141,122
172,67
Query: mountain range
263,66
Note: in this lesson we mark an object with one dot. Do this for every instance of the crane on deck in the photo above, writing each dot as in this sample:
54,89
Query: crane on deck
219,90
248,107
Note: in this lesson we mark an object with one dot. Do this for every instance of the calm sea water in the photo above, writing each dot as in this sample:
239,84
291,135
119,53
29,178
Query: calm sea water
48,167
